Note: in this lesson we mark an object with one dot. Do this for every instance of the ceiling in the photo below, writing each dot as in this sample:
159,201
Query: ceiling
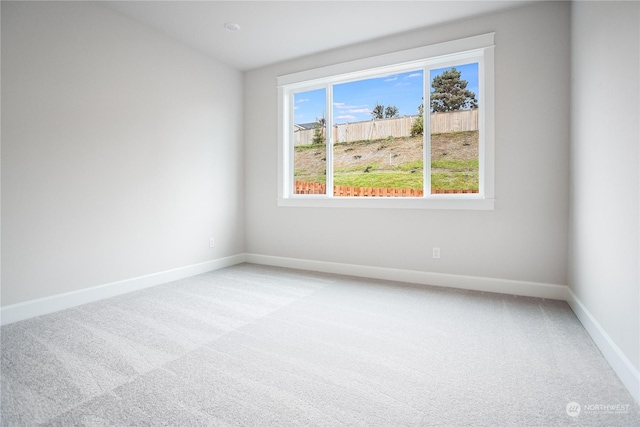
274,31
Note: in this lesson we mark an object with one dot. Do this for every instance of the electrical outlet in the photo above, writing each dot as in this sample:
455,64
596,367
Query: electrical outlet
212,243
436,253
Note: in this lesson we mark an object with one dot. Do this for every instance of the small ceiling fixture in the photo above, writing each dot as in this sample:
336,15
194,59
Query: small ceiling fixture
231,26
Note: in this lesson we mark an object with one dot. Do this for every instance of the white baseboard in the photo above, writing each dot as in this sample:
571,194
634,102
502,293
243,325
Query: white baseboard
38,307
620,363
486,284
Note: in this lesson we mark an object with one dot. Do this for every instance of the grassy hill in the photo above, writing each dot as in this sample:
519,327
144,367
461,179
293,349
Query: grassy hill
395,162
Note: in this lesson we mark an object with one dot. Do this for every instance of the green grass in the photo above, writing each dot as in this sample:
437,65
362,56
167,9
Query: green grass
303,175
455,165
451,174
310,147
409,166
454,180
358,168
439,180
351,144
380,180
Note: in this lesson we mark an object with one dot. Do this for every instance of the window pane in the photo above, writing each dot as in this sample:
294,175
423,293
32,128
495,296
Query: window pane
375,153
454,129
309,140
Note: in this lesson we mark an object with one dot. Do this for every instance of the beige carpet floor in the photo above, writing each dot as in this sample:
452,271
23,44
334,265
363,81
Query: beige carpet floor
252,345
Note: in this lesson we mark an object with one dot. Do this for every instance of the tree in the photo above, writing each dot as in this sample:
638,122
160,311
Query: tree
451,93
391,111
417,128
380,112
318,130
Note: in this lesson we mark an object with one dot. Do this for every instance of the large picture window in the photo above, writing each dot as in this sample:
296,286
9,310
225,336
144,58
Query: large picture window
411,129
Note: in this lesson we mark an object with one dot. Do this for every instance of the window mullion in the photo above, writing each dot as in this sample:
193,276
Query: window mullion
329,139
426,130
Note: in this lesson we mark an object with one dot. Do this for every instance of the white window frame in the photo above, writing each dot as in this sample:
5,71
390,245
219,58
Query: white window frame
476,49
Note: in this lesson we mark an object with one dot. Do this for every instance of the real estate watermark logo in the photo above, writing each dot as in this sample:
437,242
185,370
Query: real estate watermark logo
574,409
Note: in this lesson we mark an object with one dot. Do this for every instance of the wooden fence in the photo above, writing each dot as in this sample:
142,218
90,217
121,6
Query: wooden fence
304,136
454,121
303,187
373,129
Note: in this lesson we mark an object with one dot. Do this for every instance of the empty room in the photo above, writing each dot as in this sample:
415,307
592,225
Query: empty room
371,213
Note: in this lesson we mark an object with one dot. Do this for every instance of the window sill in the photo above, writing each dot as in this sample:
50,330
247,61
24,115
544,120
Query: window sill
448,202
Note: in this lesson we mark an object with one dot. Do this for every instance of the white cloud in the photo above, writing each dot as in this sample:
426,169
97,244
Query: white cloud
346,117
353,109
410,76
302,100
391,79
344,106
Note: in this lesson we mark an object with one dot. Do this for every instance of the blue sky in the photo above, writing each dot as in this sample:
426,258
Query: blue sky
353,101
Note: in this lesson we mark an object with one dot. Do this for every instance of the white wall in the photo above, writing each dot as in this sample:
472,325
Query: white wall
524,238
605,136
121,151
